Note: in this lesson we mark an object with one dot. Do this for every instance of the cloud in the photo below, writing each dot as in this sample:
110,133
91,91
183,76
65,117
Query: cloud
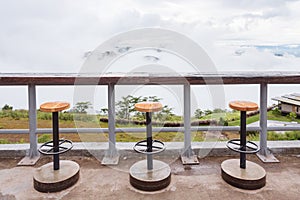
56,35
255,4
258,58
52,36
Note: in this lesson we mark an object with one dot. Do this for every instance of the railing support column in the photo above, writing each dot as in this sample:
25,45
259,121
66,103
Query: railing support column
188,157
32,155
111,156
264,154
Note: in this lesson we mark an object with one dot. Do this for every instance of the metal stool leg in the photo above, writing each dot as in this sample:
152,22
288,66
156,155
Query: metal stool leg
55,140
149,140
149,174
234,171
56,175
243,140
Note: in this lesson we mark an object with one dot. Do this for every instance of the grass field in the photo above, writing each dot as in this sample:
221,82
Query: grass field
16,121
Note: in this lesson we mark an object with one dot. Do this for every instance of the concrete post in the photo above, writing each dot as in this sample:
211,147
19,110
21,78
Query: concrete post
187,121
263,119
32,121
33,155
264,154
188,156
111,157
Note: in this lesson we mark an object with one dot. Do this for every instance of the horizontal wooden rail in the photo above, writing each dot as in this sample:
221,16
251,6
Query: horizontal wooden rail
147,78
262,78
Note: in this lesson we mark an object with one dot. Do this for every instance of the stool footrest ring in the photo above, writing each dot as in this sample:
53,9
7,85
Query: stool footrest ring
235,145
48,147
157,147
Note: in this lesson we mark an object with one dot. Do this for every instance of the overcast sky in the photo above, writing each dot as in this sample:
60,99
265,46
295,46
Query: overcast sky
54,35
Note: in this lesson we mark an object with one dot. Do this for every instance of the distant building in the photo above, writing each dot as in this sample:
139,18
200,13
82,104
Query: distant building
289,103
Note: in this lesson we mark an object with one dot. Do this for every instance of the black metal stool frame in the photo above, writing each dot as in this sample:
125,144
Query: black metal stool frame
149,140
150,148
56,143
55,140
243,142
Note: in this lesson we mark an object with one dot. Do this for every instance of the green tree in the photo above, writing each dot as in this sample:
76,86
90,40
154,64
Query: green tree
167,112
125,108
207,112
140,115
82,107
198,113
218,110
103,111
7,107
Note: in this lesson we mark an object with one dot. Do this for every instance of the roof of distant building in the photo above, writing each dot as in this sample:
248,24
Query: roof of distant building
293,99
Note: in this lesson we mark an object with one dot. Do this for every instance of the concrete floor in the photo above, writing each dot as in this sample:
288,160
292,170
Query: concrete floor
201,181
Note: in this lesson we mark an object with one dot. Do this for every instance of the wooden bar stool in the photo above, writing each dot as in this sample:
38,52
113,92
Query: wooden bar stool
234,171
149,174
57,175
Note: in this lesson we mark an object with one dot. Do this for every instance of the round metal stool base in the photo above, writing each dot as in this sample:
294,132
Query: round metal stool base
45,179
150,180
251,178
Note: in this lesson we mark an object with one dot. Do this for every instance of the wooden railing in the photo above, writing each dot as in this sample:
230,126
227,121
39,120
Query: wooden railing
186,79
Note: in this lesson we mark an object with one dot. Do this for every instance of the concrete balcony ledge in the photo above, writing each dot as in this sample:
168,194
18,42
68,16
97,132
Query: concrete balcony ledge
201,181
202,149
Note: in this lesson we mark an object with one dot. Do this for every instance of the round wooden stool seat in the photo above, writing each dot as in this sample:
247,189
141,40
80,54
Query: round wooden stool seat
234,171
148,106
243,105
149,174
57,175
54,106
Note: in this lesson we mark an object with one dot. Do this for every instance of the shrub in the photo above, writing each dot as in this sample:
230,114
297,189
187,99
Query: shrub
7,107
292,115
218,110
276,111
21,141
85,117
4,141
44,116
223,122
253,135
14,114
198,113
66,116
44,138
290,135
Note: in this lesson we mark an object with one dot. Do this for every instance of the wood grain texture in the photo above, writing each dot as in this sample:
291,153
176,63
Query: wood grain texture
148,106
243,105
54,106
